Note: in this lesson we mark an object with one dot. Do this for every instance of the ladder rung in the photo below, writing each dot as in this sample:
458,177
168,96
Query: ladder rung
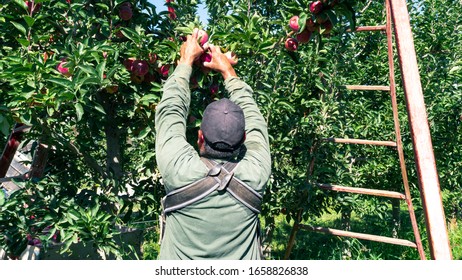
364,87
370,28
361,141
364,236
375,192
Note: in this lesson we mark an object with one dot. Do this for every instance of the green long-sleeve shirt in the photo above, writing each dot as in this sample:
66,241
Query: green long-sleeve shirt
218,226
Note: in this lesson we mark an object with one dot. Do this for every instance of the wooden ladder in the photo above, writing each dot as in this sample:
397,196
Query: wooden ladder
406,196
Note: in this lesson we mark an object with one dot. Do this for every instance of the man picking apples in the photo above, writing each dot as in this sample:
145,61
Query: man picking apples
214,195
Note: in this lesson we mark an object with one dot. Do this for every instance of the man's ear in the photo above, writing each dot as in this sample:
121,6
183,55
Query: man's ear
200,138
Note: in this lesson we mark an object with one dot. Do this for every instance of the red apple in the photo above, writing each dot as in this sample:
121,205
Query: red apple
171,13
118,31
62,69
316,7
304,36
206,57
311,25
203,37
321,18
125,12
293,23
149,78
128,63
291,44
214,89
164,70
140,67
327,26
193,83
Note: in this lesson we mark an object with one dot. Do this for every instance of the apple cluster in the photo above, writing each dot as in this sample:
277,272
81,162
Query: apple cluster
203,39
146,70
171,11
317,21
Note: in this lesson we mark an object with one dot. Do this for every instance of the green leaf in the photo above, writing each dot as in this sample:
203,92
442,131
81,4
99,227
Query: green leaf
2,198
455,69
302,21
332,16
21,3
88,69
131,35
184,30
99,108
62,82
19,26
149,98
100,68
29,20
79,110
103,6
90,81
4,126
24,42
73,214
144,133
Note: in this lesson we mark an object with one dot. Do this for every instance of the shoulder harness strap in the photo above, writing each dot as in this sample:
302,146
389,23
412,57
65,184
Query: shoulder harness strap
219,178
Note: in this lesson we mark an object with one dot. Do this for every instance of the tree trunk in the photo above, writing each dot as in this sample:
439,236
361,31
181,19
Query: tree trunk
113,153
39,162
396,219
268,237
346,225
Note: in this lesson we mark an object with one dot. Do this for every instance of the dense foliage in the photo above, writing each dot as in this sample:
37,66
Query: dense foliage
87,75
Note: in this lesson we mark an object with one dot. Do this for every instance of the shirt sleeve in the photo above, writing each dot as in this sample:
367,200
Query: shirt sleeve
177,160
257,143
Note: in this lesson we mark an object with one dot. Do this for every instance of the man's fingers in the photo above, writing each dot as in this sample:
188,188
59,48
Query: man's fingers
218,50
195,33
206,46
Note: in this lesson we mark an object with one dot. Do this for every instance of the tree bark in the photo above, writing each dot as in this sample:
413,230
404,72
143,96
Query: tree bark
396,219
113,149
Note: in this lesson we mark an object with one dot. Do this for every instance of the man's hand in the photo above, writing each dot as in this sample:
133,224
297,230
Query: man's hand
190,50
220,63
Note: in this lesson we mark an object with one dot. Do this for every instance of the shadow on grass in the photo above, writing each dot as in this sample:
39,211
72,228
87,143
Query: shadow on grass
319,246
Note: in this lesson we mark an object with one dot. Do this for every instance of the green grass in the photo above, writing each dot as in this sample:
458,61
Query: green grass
318,246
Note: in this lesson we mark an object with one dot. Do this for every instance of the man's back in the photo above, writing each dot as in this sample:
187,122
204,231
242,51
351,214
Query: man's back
217,226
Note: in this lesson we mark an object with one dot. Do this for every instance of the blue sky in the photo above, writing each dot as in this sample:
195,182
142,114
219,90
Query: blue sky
202,12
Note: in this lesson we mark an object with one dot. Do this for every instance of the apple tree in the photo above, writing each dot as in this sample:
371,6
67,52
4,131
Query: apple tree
86,76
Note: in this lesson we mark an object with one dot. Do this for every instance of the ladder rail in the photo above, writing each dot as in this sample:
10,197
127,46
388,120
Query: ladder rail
399,144
425,162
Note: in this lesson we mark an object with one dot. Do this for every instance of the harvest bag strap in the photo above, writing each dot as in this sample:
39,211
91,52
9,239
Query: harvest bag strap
219,178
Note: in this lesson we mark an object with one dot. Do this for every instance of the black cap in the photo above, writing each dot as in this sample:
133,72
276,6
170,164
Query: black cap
223,125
